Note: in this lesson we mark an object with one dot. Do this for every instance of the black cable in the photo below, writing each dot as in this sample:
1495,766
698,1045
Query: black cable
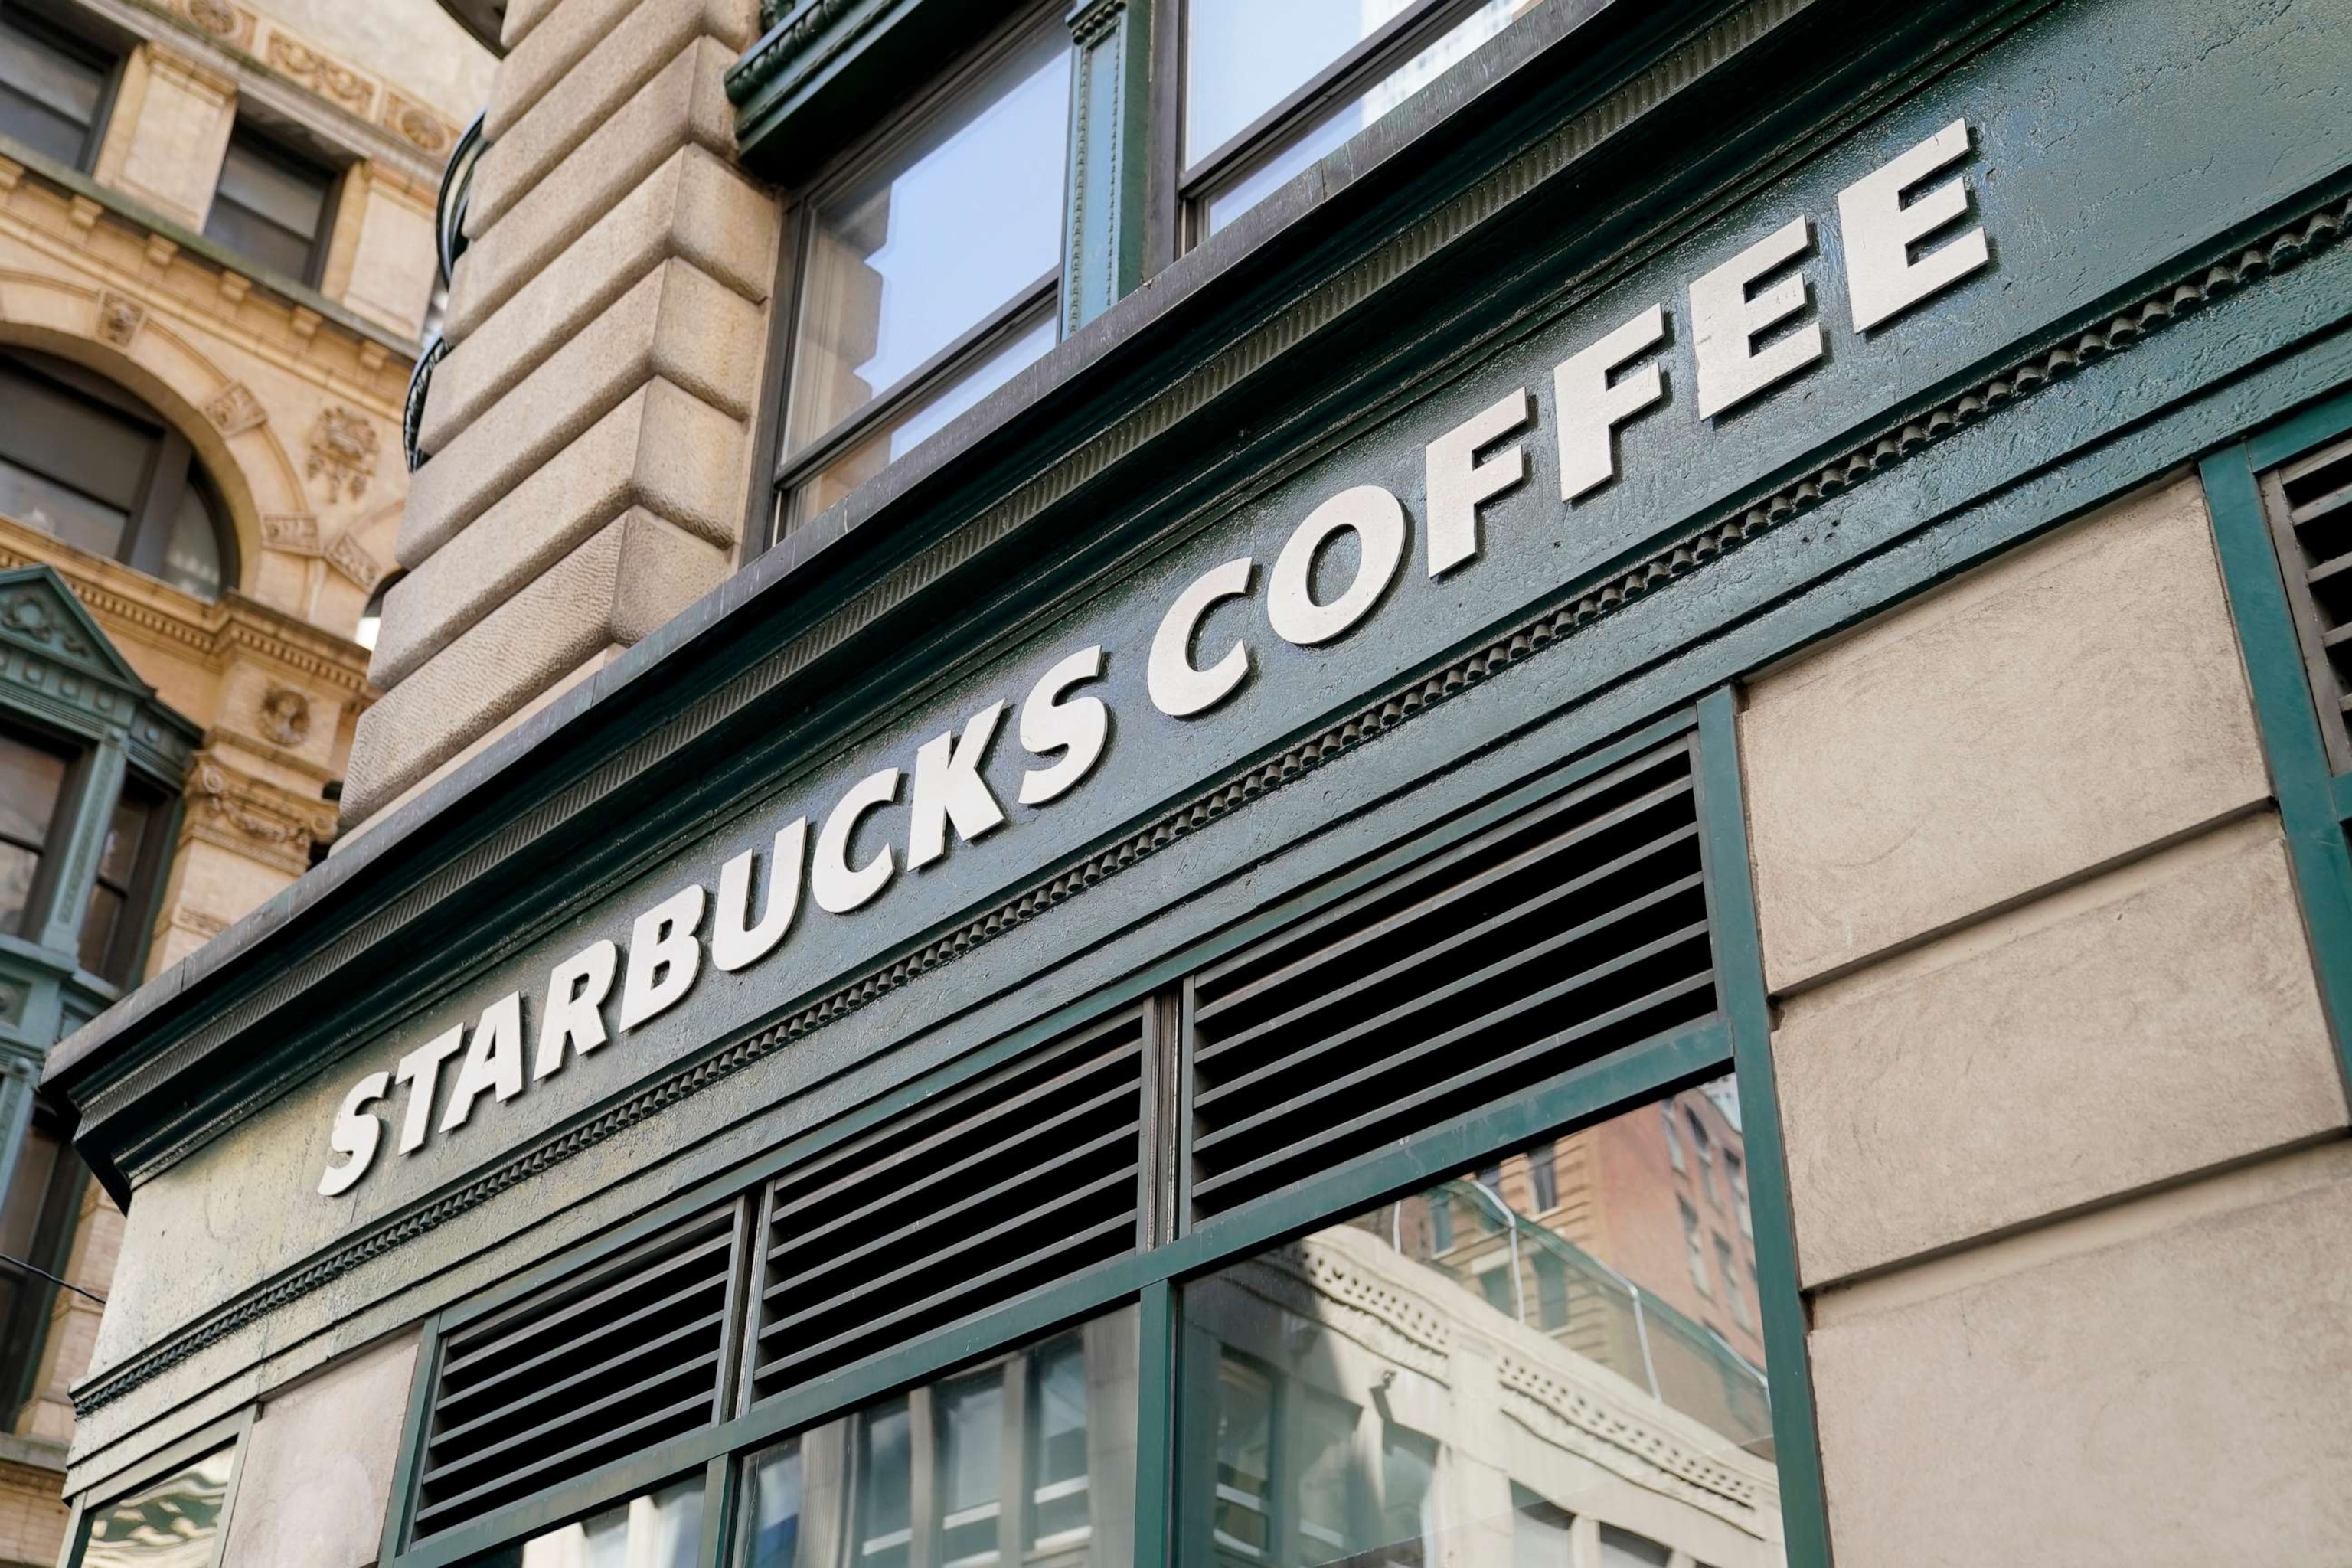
36,1268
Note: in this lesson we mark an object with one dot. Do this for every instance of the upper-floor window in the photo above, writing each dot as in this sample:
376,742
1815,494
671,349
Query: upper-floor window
928,269
53,88
34,772
84,461
272,205
1269,89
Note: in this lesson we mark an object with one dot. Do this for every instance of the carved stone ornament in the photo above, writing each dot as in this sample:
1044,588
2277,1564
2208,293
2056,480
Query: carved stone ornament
418,126
294,531
336,82
118,319
247,816
234,409
285,716
343,452
222,20
350,557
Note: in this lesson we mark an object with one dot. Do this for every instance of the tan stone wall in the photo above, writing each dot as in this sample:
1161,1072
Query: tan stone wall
293,405
2063,1118
589,429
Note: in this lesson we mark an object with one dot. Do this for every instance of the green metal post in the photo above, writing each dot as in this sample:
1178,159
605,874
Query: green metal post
1110,127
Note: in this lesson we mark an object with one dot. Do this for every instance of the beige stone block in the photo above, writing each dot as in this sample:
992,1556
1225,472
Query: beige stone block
693,206
684,101
354,829
631,576
674,323
395,263
522,15
316,1476
571,75
173,159
2071,703
662,449
2154,1022
2157,1386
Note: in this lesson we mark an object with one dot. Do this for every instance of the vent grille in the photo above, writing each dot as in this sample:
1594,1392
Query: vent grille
627,1355
2311,519
1022,1177
1559,936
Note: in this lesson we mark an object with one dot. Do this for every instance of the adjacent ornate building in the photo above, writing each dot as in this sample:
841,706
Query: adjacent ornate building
216,261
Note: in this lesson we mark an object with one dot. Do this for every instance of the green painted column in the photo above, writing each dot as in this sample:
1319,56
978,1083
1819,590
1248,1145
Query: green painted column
91,793
1110,130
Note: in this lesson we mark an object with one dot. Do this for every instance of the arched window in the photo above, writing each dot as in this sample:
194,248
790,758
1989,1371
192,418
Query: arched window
371,617
85,461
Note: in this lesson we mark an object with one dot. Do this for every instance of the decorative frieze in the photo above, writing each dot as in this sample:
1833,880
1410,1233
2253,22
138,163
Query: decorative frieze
329,79
119,318
235,811
296,534
350,557
234,410
343,452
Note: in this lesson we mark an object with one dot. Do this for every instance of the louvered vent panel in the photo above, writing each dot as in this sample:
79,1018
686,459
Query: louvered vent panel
629,1353
1019,1178
1556,937
2311,517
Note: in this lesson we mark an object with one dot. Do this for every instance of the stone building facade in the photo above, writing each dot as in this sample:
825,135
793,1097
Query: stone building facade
1167,780
149,316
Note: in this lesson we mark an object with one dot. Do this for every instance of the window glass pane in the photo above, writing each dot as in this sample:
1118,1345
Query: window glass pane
898,436
192,554
68,466
30,778
99,924
109,900
952,227
268,207
17,868
60,511
924,1476
663,1529
1367,1399
49,95
1243,57
169,1524
1334,129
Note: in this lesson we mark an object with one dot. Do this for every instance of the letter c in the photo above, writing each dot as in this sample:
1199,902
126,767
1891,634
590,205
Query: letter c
1181,688
838,886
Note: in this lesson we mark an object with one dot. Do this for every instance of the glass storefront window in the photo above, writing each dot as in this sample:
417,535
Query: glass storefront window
1026,1459
170,1523
661,1530
1547,1389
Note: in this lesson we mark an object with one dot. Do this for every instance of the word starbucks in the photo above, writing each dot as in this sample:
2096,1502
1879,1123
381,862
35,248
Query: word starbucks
1885,221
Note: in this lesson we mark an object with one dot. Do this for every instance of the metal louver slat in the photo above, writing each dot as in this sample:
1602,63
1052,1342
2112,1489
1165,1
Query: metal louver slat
1027,1173
628,1352
1551,938
2310,505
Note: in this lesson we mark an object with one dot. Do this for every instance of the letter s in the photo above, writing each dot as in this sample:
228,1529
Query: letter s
356,1133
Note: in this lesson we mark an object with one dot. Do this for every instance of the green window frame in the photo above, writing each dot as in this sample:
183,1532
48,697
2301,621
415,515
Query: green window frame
222,1437
1733,1038
2315,802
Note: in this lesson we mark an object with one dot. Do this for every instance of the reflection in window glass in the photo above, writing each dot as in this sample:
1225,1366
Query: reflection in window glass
192,553
1241,57
923,1477
663,1529
106,947
30,779
1330,131
1365,1398
952,228
169,1524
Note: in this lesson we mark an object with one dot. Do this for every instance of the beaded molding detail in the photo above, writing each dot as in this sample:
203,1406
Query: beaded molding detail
2282,249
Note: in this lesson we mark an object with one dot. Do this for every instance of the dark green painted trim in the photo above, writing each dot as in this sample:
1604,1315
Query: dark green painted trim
1739,979
2314,427
403,1506
2307,792
721,1498
1110,155
1155,1411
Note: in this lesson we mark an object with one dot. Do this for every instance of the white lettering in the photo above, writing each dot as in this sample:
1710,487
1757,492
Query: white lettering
1882,281
837,887
1459,484
493,1062
949,788
1726,322
1590,410
664,956
1078,727
735,943
575,1015
420,1069
356,1134
1180,687
1377,519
